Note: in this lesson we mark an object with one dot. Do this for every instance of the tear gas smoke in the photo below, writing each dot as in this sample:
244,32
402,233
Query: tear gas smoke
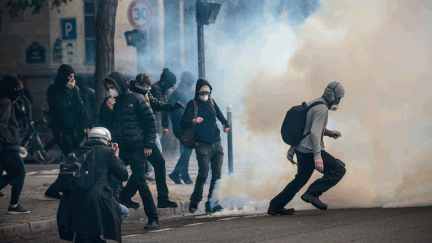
380,51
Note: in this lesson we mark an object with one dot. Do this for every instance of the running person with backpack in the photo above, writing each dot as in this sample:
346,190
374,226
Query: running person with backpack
308,145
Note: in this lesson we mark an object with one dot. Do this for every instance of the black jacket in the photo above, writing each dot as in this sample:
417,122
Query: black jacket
132,123
155,104
9,128
23,113
96,212
206,132
160,94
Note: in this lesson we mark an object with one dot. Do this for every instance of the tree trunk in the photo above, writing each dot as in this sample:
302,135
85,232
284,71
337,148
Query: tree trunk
105,30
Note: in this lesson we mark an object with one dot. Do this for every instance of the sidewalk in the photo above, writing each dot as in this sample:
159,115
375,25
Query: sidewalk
43,211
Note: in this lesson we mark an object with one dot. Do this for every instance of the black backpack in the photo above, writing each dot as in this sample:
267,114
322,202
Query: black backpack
294,123
77,173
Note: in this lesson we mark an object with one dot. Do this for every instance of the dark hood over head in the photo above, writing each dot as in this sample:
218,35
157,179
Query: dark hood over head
119,81
7,84
334,90
62,75
199,84
81,81
187,80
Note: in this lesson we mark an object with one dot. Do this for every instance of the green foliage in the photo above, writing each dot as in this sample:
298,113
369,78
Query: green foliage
21,5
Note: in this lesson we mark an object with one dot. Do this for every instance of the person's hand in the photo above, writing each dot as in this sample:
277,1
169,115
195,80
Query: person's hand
225,129
116,149
110,103
319,165
87,130
335,134
197,120
147,152
179,105
165,131
70,84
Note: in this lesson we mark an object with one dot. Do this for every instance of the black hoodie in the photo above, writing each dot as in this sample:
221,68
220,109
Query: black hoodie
206,132
132,123
9,127
66,108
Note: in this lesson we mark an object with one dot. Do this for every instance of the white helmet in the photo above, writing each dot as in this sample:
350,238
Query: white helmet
100,133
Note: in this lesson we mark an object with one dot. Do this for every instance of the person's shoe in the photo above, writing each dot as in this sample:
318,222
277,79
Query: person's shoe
1,194
193,207
51,194
166,203
17,210
314,200
174,178
216,208
128,202
187,180
154,224
282,211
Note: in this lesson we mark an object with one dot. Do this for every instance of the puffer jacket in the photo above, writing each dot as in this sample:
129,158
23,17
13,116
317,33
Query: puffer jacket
131,122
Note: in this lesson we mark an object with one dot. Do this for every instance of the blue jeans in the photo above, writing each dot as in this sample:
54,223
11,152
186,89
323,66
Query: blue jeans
124,213
182,167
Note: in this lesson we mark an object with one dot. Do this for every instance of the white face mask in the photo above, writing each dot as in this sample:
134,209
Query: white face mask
113,92
204,97
334,107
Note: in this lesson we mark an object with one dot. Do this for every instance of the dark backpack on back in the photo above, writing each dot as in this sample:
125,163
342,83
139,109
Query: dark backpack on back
77,173
294,123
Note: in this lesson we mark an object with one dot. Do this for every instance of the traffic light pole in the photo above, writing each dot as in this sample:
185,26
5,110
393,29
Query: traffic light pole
201,56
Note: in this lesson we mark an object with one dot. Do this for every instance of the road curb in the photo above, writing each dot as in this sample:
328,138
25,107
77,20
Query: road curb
51,224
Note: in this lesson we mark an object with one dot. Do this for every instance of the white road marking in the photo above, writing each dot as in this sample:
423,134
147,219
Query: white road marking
127,236
194,224
256,215
229,218
48,176
161,230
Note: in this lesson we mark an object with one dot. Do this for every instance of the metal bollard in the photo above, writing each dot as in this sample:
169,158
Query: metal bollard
230,145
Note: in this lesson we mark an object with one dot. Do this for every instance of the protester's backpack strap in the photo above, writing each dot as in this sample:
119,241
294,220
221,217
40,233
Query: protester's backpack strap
213,105
310,107
195,114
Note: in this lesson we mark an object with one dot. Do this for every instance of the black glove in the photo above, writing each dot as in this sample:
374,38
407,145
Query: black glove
177,105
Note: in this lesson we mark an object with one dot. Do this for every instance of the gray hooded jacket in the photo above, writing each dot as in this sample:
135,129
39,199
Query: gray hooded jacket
316,121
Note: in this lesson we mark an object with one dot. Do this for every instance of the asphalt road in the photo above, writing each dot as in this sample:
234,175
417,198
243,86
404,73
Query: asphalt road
342,225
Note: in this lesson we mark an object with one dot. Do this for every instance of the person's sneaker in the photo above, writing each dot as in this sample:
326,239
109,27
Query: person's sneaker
187,180
51,194
174,178
282,211
193,207
128,202
166,203
216,208
314,200
17,210
154,224
1,194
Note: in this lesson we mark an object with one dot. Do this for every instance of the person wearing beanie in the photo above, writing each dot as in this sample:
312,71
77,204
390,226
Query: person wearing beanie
161,90
183,93
311,155
209,150
10,159
68,114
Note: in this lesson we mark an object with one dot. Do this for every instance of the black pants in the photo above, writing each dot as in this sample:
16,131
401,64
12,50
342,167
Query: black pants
137,182
68,142
333,172
82,238
207,155
14,166
158,162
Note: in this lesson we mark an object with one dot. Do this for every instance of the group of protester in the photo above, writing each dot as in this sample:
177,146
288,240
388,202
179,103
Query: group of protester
128,136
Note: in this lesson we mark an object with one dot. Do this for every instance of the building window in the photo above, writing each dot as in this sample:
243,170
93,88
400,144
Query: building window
90,9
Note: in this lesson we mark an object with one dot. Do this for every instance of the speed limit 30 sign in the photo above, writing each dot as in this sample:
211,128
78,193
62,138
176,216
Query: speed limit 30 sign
140,14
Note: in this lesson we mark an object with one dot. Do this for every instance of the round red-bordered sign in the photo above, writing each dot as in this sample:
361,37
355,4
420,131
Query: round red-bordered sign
140,14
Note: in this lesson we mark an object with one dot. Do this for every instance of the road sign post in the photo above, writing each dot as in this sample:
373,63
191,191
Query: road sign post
140,15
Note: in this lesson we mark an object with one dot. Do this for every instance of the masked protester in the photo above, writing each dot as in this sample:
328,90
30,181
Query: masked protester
311,155
67,114
130,119
10,159
183,93
142,85
207,138
95,212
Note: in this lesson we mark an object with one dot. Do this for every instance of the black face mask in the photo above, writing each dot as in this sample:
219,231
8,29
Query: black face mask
13,95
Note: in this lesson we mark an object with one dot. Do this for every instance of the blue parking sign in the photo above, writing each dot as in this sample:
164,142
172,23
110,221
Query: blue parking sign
69,31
